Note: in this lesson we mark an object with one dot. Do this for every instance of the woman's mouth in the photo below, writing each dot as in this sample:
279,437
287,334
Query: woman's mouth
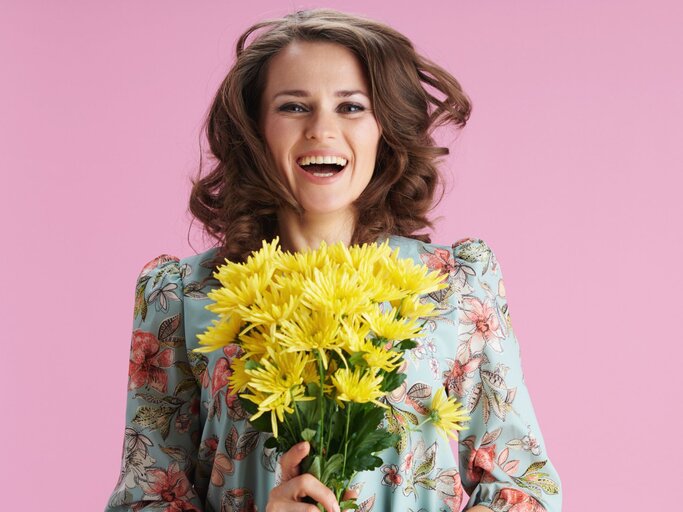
322,167
322,170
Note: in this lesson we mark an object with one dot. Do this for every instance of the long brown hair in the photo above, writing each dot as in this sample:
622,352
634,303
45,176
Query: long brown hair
238,200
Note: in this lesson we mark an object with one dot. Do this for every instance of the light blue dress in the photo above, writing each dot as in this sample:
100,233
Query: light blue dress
189,446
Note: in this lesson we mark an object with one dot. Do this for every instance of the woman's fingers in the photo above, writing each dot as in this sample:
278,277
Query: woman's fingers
290,460
349,494
301,486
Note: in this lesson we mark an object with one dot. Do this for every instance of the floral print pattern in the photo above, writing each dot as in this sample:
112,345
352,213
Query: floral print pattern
188,444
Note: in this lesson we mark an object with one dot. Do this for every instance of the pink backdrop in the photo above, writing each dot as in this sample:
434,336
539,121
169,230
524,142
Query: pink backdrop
566,169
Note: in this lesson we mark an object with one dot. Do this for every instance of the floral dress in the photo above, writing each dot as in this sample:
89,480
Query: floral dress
188,444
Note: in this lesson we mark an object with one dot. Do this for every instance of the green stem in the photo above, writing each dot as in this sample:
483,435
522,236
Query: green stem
291,432
346,438
298,419
321,402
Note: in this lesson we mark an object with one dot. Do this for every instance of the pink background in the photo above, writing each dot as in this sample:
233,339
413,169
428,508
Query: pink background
570,169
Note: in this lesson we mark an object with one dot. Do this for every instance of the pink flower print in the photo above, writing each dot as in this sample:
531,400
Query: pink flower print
157,262
459,377
441,260
147,363
481,463
407,462
171,486
221,374
391,476
520,501
485,328
530,443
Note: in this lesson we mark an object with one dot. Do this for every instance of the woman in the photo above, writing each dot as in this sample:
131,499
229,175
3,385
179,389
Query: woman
321,132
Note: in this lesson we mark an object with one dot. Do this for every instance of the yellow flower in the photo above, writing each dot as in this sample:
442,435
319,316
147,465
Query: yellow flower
411,278
446,414
386,325
359,258
357,386
412,307
339,292
304,262
277,384
375,357
270,308
223,332
243,292
314,331
239,380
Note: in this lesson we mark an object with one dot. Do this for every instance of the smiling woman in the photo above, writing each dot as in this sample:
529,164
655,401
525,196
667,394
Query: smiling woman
324,140
321,132
324,83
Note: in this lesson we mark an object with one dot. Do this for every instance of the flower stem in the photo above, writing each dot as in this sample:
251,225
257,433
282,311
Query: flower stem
321,401
346,438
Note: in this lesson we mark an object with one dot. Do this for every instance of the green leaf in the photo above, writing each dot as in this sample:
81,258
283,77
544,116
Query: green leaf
332,467
271,443
308,434
314,468
251,365
155,418
406,345
427,464
392,380
357,359
154,399
427,483
185,385
348,504
535,467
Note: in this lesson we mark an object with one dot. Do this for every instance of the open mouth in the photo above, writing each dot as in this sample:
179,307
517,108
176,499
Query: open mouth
323,170
322,166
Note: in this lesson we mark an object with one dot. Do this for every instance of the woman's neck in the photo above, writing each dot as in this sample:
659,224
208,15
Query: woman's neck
307,231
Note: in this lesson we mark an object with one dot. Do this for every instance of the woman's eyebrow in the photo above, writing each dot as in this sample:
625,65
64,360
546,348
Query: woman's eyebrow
304,94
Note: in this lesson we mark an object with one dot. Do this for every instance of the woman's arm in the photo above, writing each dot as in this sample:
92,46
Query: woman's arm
162,411
504,461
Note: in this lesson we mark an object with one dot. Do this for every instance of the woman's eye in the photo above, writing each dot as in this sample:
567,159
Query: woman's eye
347,106
290,106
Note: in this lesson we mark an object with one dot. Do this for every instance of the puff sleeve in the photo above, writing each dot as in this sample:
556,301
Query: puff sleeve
162,410
503,459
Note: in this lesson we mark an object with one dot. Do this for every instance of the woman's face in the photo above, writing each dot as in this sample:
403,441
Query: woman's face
316,102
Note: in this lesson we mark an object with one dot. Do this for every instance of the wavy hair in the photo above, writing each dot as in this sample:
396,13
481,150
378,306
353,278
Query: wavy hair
238,200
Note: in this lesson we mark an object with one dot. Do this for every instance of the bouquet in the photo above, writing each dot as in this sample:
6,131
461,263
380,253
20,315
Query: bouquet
322,336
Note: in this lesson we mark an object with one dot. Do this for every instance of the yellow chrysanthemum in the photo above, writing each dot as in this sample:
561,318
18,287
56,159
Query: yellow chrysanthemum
243,292
386,325
222,333
270,308
277,384
375,357
357,386
411,278
303,262
447,414
313,331
239,380
278,372
359,258
265,260
411,307
339,292
276,404
256,343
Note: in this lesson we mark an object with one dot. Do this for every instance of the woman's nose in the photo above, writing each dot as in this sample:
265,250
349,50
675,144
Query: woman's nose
321,125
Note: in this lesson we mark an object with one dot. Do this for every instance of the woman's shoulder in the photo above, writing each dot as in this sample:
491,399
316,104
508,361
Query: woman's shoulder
468,249
167,266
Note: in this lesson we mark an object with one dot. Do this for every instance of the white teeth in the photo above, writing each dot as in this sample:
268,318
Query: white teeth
323,174
306,160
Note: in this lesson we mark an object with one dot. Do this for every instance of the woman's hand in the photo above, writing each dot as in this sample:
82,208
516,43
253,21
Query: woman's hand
294,486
